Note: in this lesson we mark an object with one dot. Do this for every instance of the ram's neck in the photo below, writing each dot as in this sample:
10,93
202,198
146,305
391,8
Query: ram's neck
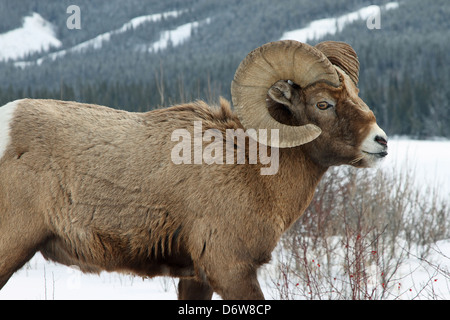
294,185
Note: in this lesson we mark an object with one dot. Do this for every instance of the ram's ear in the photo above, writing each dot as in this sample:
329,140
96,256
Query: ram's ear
281,92
282,104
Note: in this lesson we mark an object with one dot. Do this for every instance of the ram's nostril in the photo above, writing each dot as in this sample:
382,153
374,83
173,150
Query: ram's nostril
381,140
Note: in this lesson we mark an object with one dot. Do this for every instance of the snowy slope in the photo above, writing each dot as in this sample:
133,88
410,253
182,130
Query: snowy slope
46,280
38,34
176,36
97,42
35,35
319,28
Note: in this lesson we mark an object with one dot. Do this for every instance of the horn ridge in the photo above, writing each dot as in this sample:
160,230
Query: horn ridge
342,55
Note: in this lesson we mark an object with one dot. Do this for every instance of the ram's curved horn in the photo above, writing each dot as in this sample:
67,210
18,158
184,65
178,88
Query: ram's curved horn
280,60
342,55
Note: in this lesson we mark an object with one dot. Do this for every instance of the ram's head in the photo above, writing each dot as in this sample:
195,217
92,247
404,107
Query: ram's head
310,95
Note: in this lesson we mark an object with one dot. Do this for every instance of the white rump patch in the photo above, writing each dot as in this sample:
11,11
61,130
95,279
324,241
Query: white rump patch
6,115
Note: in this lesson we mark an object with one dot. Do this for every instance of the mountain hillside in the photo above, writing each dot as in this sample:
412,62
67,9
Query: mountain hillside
138,55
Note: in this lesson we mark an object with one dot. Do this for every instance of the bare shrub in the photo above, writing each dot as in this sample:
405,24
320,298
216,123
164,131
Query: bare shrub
360,228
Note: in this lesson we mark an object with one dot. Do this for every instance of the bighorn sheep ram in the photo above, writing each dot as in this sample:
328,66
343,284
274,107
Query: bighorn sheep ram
94,187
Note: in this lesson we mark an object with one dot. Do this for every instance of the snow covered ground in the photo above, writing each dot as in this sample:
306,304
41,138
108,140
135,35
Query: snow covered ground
40,279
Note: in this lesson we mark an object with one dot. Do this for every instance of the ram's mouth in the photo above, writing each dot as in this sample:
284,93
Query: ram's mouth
380,155
369,159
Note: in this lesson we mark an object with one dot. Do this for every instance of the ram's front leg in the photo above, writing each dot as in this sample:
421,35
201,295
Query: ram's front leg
237,283
20,237
192,289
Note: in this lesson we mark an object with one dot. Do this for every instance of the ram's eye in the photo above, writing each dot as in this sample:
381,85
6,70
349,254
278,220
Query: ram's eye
322,105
